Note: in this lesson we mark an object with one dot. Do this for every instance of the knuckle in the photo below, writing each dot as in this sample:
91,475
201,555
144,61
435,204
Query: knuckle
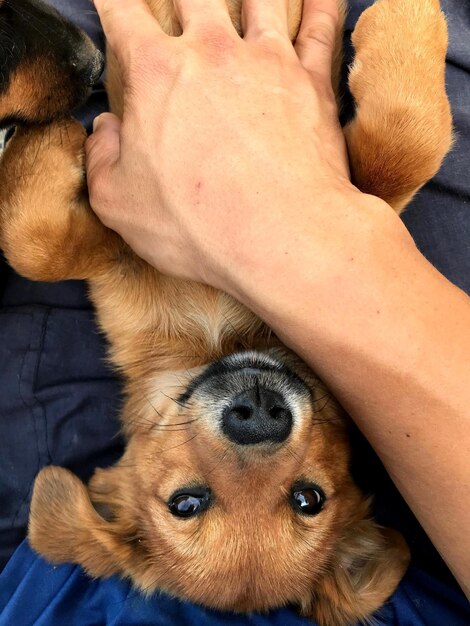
141,54
98,192
322,31
217,42
111,16
272,38
147,61
106,7
273,46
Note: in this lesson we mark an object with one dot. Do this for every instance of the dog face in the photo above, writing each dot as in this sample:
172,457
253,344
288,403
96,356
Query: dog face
48,65
234,492
244,493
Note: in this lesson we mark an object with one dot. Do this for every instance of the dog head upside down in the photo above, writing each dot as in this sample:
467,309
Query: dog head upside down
234,490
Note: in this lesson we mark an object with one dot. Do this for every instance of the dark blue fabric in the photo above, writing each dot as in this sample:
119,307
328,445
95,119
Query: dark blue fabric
59,401
59,404
32,592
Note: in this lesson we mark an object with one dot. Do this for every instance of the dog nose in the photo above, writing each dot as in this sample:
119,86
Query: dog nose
89,67
257,415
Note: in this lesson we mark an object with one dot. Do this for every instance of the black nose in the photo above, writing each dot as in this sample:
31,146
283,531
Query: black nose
257,415
95,68
89,66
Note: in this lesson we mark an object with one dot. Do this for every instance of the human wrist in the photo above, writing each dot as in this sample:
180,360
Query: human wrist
371,304
332,242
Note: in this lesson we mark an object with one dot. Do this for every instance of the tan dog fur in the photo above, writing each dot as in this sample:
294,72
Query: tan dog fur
249,551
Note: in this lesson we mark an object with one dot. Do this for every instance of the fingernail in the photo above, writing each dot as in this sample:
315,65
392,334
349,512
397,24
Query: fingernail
96,123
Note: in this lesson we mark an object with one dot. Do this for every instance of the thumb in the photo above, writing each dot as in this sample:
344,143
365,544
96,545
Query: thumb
102,151
316,41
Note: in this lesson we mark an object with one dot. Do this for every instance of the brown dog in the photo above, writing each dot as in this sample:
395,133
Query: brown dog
234,490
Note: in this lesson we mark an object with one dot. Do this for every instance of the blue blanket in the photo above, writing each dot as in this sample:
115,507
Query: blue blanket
59,404
35,593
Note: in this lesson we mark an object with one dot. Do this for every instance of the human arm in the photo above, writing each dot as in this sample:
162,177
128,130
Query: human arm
390,337
331,270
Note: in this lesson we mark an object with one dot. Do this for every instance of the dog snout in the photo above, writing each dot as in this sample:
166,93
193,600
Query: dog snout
257,415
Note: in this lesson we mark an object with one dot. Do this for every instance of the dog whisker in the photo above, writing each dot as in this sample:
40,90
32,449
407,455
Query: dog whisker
168,426
293,455
173,400
179,444
326,395
221,460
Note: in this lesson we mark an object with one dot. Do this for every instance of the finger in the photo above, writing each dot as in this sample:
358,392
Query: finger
197,14
265,17
102,151
317,38
126,23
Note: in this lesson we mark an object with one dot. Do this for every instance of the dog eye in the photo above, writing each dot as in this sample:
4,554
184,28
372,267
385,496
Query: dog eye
189,502
308,499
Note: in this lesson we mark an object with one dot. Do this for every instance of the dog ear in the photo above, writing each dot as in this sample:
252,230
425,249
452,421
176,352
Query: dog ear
65,527
366,569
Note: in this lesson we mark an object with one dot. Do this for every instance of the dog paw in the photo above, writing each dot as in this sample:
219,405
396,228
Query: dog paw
398,41
53,153
403,124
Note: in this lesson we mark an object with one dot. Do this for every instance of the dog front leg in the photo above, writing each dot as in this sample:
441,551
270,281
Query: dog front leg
403,126
47,229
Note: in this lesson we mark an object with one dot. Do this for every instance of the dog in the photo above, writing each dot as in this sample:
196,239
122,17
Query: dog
234,490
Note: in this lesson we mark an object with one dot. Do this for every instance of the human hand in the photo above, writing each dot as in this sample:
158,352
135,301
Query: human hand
227,146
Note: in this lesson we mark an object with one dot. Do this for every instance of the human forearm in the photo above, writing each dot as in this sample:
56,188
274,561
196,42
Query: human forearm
391,338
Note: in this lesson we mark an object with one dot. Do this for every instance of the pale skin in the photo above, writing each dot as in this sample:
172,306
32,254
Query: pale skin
263,208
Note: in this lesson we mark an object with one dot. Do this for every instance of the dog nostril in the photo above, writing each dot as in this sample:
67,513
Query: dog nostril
278,412
242,412
257,415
